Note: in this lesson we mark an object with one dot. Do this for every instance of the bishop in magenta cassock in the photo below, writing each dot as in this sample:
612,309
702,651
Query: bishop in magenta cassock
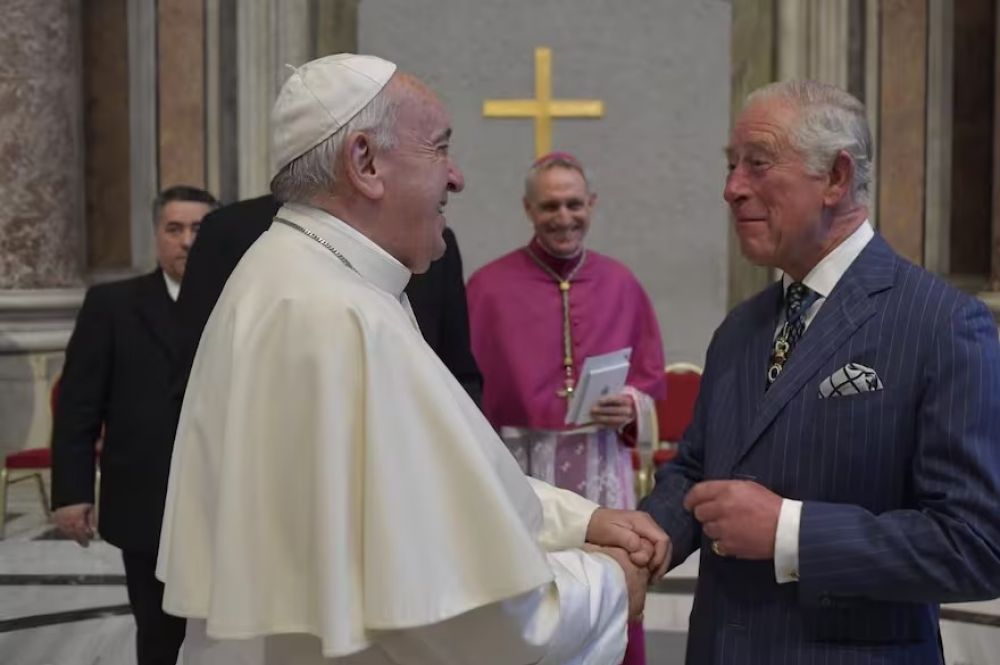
535,315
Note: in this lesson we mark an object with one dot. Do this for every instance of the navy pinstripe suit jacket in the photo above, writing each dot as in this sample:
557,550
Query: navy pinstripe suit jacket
901,487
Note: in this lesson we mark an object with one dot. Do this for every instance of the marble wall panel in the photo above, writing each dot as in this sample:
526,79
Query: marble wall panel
902,127
181,79
106,134
41,177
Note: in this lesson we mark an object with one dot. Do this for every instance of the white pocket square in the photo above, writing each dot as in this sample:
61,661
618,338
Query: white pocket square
851,379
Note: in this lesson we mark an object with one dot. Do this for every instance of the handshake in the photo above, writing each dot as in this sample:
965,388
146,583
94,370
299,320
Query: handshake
639,546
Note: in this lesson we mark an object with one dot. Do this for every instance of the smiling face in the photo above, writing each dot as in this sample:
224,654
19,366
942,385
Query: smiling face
419,174
777,205
559,205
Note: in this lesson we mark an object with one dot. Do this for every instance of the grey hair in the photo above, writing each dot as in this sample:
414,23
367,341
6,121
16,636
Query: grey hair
313,171
829,120
549,161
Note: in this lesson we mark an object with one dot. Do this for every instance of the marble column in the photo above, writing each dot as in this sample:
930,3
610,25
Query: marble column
872,90
972,136
992,296
41,210
181,78
143,131
254,95
833,41
40,144
220,87
752,65
994,284
246,62
903,126
812,40
336,26
107,167
940,148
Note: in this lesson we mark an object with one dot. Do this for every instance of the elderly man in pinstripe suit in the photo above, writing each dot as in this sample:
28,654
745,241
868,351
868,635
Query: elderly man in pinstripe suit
842,473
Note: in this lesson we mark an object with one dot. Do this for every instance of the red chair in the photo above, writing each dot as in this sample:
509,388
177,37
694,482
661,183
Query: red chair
26,465
673,415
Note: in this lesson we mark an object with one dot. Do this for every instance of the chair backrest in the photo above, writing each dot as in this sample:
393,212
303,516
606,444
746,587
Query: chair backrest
674,412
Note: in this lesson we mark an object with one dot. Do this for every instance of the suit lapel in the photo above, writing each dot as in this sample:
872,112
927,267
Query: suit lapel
749,363
155,310
755,359
841,315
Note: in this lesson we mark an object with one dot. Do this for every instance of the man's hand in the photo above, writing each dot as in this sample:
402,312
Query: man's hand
636,579
76,522
740,516
635,532
613,411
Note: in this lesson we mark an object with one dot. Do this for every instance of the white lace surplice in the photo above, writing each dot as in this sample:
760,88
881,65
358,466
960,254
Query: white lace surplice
593,462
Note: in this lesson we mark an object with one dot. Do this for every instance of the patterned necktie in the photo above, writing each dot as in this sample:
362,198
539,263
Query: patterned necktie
798,299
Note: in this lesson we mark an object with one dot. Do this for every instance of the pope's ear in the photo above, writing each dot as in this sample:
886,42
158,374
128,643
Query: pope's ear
359,166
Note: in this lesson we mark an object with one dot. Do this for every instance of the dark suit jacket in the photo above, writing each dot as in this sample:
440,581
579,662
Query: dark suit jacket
437,296
119,364
901,487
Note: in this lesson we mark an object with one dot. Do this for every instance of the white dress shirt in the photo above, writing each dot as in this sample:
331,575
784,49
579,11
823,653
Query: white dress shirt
173,286
821,279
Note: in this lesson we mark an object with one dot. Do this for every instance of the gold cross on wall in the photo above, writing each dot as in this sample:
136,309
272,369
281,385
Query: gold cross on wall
543,108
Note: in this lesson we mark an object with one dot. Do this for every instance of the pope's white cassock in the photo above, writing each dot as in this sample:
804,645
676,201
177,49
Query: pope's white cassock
335,495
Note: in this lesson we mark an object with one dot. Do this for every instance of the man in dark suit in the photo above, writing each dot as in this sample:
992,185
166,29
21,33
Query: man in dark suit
119,364
841,475
437,296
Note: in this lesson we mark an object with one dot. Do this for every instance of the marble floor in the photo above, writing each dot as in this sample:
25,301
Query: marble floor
61,604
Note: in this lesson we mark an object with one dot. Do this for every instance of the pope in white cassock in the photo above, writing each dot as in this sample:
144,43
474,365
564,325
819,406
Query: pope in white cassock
334,495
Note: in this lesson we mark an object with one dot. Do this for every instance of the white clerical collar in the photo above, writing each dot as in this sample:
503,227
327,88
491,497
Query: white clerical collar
370,261
825,274
173,286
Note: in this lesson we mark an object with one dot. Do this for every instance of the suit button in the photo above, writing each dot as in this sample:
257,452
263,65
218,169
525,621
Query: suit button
825,602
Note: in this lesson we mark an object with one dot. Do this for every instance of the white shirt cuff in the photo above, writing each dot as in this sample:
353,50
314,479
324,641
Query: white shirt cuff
786,542
593,609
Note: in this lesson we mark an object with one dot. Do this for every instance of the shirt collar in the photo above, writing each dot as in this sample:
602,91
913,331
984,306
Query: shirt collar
370,261
825,274
173,286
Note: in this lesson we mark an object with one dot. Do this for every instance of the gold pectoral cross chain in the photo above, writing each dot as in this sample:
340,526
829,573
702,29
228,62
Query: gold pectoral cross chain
564,287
